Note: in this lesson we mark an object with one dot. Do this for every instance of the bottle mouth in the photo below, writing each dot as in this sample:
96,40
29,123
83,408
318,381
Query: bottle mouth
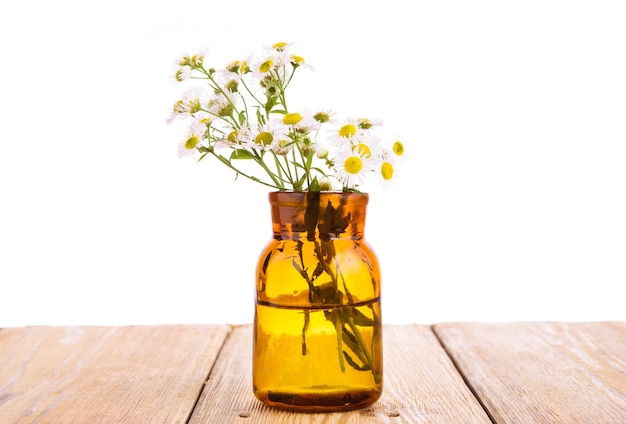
297,198
318,215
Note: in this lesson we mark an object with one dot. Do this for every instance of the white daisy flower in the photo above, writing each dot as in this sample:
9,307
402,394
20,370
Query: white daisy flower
366,143
220,105
188,147
398,149
351,167
189,104
262,66
181,73
343,132
324,116
239,67
366,123
280,46
228,80
386,169
282,58
265,137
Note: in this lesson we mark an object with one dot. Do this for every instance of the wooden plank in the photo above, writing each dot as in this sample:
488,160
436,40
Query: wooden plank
134,374
543,372
421,386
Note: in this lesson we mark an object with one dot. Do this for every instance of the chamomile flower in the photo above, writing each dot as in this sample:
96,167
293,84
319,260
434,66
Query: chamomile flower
182,73
279,46
186,64
229,138
239,67
366,123
192,60
300,122
324,116
366,143
228,80
266,137
343,132
261,68
189,104
386,168
222,104
398,148
292,119
188,147
351,167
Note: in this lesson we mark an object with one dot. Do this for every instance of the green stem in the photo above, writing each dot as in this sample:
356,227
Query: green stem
361,343
338,332
345,316
239,172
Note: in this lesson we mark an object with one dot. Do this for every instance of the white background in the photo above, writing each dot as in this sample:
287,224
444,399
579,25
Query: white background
511,206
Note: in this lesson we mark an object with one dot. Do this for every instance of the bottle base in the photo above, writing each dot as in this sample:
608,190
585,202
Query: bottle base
318,401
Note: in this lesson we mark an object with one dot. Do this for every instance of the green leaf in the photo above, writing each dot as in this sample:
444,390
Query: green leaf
351,341
271,102
241,154
353,364
361,319
320,170
315,185
301,271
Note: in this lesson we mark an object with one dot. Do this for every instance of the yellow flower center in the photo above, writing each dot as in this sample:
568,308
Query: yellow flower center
266,66
386,170
280,45
353,165
179,107
196,60
264,138
398,148
191,142
227,110
233,67
232,86
321,117
292,118
194,106
365,124
362,149
178,75
297,60
232,137
347,131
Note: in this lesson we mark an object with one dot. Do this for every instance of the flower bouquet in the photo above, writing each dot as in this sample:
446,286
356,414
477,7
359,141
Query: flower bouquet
318,328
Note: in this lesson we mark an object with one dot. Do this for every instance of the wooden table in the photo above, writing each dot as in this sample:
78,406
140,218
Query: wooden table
534,372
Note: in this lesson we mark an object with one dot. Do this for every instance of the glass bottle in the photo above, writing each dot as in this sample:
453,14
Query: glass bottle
318,327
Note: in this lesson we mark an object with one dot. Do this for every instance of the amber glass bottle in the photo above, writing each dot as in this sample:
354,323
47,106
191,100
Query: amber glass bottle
318,326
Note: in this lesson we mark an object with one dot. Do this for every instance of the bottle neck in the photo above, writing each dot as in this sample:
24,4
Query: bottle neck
318,215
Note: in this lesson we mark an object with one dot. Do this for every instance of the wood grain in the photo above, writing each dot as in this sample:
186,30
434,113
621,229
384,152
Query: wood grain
115,375
521,372
421,386
543,372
